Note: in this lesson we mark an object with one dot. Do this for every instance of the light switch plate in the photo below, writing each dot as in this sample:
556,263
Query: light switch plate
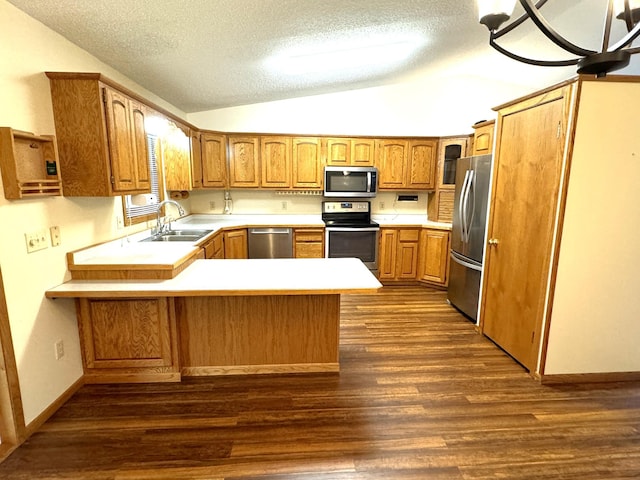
36,240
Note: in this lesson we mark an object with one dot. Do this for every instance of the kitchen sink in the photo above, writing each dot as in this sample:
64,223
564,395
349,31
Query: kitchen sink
178,236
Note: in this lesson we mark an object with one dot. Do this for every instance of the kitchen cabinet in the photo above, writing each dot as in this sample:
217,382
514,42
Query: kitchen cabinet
244,161
214,160
308,243
483,137
398,258
101,137
275,158
356,152
307,166
406,164
235,243
29,164
128,340
176,158
433,266
196,159
214,248
440,206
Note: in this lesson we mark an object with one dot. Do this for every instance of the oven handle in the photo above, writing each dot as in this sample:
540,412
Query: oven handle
348,229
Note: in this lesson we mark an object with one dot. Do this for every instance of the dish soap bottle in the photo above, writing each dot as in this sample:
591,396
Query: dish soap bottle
228,203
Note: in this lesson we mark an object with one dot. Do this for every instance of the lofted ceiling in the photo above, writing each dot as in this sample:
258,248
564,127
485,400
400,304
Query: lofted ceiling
208,54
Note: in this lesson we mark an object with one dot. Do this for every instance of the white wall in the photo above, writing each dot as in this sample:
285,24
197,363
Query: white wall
595,324
27,50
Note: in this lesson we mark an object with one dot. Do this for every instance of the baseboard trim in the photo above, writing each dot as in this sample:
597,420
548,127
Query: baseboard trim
37,422
606,377
260,369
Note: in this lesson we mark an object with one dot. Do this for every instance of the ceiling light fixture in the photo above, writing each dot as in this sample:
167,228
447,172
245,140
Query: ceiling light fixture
493,13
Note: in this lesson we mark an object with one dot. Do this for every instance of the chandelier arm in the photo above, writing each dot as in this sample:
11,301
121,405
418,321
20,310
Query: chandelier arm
606,35
518,22
628,19
550,33
530,61
627,40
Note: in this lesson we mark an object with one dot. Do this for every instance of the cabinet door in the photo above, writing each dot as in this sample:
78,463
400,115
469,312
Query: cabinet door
391,160
176,159
275,157
526,177
363,152
422,163
434,256
387,261
449,151
235,243
139,139
244,161
214,160
307,163
407,254
121,146
196,159
338,152
483,139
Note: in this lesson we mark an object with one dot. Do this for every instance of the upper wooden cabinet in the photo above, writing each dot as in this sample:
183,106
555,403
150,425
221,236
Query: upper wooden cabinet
244,161
176,156
196,159
276,161
483,137
391,160
101,137
406,163
214,160
307,165
449,151
359,152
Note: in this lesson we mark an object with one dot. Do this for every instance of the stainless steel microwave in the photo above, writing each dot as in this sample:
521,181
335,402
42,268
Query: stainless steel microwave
350,181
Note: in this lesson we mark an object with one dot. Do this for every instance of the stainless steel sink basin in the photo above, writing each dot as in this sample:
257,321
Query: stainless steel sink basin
178,236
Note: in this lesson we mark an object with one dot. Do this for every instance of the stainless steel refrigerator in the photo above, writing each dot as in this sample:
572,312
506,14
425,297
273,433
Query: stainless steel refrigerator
468,233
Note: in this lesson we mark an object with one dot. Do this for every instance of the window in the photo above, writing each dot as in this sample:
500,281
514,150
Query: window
143,207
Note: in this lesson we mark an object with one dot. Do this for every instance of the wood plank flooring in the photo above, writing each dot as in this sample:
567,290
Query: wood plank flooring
420,396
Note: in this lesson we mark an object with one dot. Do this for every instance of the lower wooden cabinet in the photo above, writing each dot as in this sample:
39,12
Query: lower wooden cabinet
399,253
235,243
214,248
434,256
308,243
128,340
414,254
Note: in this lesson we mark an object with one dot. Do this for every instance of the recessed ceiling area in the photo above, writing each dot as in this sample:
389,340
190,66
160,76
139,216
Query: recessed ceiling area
202,55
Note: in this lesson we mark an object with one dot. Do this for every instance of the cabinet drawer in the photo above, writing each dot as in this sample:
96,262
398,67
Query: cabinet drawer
409,235
309,236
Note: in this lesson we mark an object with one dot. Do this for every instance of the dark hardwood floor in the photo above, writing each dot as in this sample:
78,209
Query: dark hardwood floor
420,396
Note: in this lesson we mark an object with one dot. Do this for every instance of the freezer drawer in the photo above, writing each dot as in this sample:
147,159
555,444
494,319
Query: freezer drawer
464,286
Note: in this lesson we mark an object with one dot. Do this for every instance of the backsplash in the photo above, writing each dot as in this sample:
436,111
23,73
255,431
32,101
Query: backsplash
271,202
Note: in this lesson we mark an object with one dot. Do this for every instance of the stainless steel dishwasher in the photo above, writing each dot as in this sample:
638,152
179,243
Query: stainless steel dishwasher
270,243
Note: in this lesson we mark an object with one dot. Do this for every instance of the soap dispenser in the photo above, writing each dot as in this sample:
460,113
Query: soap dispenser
228,203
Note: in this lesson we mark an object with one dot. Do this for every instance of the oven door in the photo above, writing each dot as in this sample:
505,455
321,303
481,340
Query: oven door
346,242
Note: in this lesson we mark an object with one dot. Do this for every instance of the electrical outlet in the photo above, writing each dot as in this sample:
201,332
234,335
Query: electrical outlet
119,222
212,205
381,205
55,236
285,204
59,349
36,240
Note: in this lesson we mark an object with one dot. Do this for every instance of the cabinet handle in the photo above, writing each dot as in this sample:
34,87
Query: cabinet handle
493,241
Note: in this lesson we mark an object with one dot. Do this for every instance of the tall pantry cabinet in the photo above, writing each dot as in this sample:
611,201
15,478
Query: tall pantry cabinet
560,284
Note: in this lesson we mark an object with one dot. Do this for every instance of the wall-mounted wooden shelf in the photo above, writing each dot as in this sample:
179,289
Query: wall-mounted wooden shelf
29,164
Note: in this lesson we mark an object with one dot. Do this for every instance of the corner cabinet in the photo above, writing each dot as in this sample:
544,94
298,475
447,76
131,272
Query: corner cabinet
101,136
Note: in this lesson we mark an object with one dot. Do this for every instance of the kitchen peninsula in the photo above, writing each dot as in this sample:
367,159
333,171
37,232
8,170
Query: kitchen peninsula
216,317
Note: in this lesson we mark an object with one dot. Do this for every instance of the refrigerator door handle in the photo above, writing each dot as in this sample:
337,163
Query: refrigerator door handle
469,198
458,259
461,206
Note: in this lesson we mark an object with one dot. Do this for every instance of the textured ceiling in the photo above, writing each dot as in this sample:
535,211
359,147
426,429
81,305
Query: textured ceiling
206,54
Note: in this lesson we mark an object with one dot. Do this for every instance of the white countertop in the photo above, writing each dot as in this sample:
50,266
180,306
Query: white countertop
237,277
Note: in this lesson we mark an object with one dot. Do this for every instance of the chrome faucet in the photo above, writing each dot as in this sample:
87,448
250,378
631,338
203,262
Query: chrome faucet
161,226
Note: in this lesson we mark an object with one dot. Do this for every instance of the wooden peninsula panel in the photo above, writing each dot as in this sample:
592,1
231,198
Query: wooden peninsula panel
258,334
